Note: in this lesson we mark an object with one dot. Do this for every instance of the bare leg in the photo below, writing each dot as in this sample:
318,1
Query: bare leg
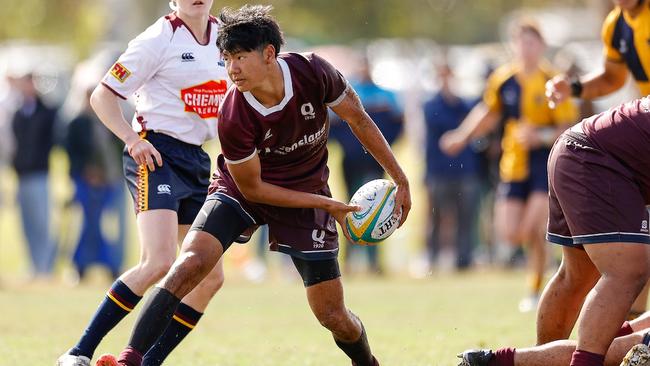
563,296
559,353
327,304
624,271
640,304
533,226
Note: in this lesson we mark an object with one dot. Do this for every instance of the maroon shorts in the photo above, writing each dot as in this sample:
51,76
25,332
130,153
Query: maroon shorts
593,198
305,233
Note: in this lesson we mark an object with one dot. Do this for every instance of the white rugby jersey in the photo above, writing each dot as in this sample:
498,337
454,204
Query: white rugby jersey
178,83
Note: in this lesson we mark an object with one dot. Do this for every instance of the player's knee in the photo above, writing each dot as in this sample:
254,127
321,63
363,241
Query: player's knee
153,271
212,283
332,319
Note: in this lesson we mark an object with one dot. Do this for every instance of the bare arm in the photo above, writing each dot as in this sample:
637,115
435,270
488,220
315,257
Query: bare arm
478,122
351,110
611,79
248,177
107,107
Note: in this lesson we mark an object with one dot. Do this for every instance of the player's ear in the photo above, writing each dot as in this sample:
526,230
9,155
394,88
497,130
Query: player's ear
269,53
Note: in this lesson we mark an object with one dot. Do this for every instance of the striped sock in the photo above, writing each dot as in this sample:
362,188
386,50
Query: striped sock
119,302
183,321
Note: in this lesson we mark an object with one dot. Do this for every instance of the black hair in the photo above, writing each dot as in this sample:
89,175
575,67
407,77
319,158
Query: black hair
249,28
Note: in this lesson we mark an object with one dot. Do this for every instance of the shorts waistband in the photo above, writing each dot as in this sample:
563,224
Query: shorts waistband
152,135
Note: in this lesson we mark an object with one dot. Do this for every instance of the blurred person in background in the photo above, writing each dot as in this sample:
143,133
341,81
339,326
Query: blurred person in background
625,35
359,167
95,156
33,130
173,68
515,95
452,182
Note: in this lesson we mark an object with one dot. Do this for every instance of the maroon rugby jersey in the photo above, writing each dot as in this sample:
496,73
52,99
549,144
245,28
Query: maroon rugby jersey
624,132
291,137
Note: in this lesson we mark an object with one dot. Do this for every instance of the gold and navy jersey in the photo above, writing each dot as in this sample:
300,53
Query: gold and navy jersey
520,99
627,40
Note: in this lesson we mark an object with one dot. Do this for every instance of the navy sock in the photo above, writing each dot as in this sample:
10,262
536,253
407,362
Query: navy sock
119,302
183,321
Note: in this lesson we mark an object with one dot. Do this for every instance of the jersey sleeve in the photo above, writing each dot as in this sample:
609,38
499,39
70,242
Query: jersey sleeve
138,63
236,136
333,82
607,36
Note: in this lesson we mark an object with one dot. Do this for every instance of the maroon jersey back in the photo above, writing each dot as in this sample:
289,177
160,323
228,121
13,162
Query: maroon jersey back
291,137
624,132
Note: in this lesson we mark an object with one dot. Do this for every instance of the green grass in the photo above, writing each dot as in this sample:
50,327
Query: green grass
409,322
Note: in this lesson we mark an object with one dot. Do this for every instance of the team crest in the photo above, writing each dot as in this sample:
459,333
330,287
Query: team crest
204,99
120,72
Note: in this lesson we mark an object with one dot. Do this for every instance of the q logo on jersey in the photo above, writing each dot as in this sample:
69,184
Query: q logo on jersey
204,99
120,72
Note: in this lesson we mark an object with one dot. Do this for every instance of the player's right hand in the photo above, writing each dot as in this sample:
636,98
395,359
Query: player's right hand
452,142
558,89
143,152
339,210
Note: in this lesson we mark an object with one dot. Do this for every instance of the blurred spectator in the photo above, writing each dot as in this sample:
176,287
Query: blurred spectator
515,96
359,167
95,157
33,129
452,182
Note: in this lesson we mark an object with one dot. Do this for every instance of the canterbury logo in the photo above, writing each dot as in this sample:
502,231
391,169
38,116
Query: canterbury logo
187,56
164,189
268,135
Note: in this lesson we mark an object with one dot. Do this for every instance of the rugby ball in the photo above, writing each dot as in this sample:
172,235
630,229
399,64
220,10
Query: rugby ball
376,219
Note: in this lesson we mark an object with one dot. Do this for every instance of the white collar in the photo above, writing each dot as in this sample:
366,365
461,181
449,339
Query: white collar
288,93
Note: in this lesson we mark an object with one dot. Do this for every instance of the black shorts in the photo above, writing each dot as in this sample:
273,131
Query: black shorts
181,184
537,180
222,218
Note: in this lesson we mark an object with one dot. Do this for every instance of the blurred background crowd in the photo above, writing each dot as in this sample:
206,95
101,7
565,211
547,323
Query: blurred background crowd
419,67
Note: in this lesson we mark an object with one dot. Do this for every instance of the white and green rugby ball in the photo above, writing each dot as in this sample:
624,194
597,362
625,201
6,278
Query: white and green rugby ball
376,219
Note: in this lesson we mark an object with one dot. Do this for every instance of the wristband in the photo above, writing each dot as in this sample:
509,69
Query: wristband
576,88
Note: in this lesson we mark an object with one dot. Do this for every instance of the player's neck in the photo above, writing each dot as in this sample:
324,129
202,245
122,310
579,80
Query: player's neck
198,26
271,91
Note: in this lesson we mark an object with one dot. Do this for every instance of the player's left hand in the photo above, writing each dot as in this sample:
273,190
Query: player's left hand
403,200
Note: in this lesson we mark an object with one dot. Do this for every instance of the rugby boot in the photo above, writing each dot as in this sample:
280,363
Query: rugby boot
475,357
374,362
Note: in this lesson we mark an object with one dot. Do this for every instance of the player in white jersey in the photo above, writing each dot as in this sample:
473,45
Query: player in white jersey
173,70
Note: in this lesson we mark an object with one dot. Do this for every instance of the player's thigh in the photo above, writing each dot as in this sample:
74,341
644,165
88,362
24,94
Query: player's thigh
218,223
535,215
577,268
157,231
508,212
630,260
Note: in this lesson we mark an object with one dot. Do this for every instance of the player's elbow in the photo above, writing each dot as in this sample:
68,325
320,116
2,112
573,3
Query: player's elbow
251,193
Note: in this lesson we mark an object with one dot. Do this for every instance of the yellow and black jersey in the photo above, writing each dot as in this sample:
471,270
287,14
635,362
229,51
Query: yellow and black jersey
520,99
627,40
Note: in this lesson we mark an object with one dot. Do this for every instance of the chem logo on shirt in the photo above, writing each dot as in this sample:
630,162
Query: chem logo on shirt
204,99
120,72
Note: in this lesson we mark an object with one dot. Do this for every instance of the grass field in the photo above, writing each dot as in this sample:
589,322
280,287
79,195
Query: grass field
410,322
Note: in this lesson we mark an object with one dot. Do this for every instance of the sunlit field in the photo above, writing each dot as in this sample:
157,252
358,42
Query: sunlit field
410,322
